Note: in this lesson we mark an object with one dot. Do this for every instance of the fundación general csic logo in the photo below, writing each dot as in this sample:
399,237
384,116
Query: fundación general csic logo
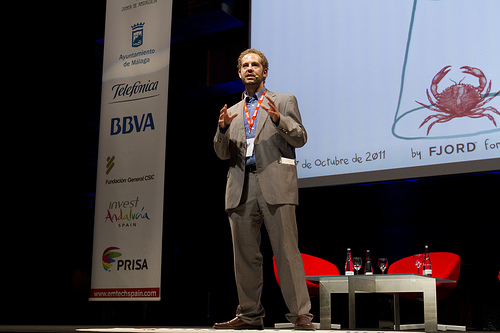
108,257
137,34
110,163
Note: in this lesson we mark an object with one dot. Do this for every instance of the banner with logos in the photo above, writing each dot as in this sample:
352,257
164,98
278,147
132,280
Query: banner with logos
130,179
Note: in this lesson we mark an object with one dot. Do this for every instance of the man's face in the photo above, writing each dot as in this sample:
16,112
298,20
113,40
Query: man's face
251,72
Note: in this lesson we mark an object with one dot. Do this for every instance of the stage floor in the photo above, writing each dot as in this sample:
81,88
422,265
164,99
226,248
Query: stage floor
114,329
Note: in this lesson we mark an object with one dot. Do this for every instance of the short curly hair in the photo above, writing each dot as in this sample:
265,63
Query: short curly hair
263,58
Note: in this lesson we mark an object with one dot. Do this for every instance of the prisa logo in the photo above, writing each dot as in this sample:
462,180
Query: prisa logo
108,257
121,265
132,265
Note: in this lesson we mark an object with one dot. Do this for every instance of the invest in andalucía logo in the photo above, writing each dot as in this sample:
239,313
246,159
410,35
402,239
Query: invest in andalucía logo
108,257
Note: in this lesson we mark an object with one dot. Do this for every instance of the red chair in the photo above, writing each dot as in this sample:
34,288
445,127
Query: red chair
313,266
445,265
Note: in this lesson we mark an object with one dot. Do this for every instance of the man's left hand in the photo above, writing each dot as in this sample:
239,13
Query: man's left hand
272,110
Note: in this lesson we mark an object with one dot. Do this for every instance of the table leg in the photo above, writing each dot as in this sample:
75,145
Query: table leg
430,306
397,318
352,306
325,307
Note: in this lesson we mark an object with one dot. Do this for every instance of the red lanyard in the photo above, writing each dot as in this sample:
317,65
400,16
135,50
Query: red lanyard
250,121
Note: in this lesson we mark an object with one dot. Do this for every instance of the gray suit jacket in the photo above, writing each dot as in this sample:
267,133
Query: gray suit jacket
278,181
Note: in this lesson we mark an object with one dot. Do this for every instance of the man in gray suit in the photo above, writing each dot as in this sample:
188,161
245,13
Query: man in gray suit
259,136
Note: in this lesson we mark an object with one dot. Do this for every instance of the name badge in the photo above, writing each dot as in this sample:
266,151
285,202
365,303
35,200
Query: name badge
289,161
250,145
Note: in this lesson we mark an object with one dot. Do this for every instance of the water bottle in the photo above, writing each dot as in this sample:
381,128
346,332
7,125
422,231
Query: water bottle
427,263
368,264
349,266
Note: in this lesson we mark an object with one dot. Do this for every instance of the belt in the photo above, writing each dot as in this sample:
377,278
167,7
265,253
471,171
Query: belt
251,168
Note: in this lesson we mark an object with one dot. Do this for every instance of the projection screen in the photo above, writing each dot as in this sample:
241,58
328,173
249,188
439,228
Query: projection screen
387,89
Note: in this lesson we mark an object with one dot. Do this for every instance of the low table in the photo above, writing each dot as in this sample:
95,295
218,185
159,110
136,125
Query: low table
388,284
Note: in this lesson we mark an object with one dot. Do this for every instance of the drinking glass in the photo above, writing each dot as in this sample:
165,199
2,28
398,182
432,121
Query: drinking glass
418,259
382,264
358,262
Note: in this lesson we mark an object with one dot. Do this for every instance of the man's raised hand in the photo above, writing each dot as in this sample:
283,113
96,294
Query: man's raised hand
224,118
272,110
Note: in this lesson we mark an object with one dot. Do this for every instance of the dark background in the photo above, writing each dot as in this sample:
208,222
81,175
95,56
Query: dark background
56,53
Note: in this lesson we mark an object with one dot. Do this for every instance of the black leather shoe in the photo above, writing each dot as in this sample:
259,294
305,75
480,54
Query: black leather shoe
237,324
304,323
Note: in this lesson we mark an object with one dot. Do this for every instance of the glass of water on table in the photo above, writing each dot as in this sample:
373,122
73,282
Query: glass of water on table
382,264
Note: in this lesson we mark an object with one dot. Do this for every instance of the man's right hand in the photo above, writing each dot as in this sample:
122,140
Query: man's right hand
224,118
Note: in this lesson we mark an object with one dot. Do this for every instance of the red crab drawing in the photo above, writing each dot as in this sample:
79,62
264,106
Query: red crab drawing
460,99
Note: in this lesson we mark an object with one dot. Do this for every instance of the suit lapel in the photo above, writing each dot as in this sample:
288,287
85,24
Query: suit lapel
240,122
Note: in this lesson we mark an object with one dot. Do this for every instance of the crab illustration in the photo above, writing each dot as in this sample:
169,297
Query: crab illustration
459,99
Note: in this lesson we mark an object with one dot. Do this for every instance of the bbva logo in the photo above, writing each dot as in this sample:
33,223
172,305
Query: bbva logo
129,124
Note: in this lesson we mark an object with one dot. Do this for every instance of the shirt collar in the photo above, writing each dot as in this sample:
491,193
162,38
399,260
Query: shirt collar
257,94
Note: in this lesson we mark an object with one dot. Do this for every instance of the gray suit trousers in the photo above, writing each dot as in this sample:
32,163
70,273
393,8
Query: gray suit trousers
281,225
